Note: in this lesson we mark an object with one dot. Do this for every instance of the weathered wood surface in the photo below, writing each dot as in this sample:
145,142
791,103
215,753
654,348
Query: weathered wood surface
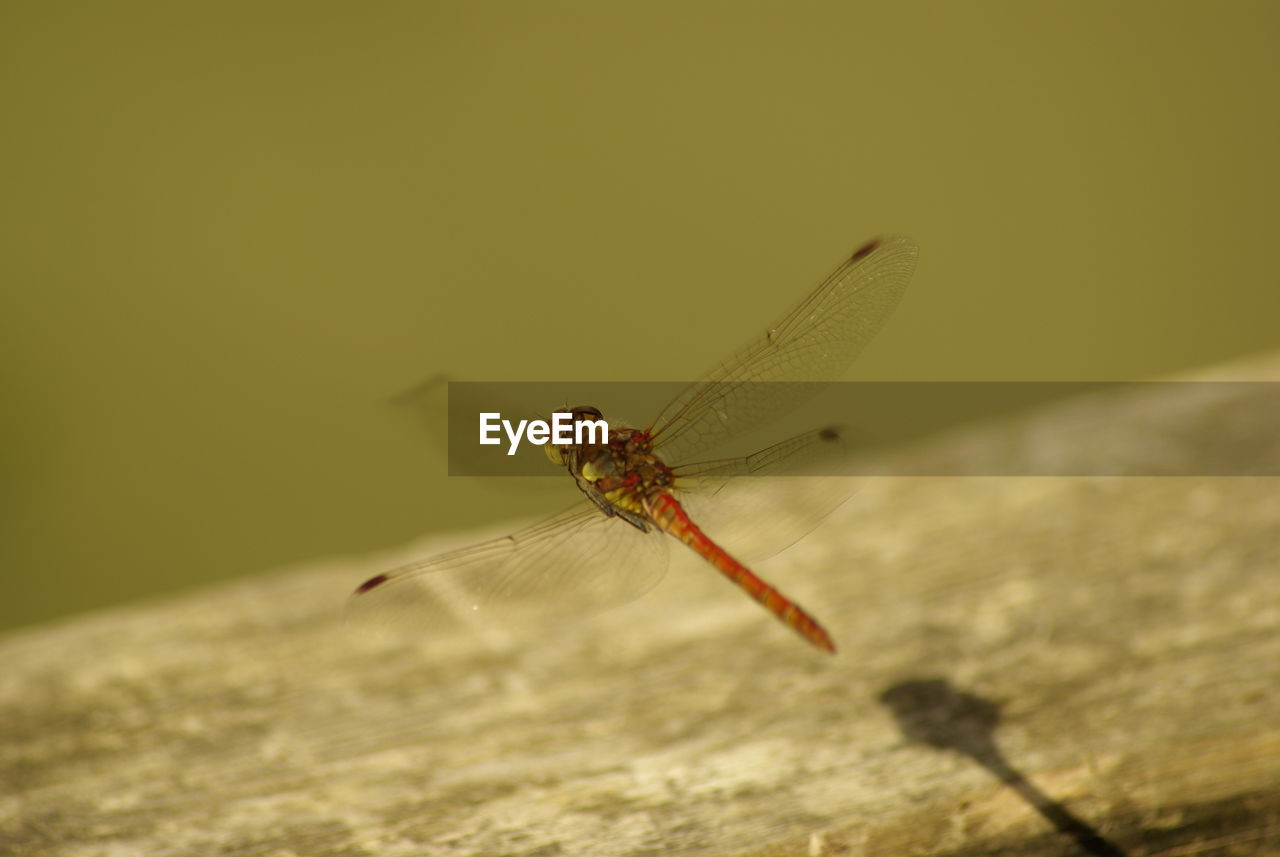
1027,666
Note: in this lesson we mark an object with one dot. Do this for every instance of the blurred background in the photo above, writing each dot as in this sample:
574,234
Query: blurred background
231,233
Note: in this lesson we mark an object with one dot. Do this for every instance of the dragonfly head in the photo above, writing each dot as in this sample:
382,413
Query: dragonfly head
582,413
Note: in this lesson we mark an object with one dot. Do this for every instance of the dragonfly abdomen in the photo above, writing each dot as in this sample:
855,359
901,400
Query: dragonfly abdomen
667,514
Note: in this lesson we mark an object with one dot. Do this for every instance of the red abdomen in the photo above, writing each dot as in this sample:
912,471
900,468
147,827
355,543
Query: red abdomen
666,512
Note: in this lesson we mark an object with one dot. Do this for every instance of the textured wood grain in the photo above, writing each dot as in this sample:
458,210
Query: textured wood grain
1027,666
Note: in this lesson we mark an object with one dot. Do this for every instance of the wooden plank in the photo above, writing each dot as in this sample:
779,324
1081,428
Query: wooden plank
1027,666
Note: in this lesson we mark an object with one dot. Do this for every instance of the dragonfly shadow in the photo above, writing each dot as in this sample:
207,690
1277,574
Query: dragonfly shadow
430,406
933,712
428,403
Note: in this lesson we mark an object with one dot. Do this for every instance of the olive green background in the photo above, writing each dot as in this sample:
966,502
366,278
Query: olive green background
231,232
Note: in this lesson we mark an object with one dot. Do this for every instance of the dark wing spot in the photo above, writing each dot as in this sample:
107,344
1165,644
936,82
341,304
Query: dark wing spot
372,583
829,433
865,250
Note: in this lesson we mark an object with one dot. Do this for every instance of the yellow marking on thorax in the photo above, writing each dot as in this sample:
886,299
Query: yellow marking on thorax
626,498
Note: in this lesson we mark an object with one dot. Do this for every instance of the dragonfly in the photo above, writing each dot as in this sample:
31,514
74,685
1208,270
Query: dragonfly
644,488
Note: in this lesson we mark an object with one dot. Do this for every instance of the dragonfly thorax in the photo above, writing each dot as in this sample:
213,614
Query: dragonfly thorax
621,475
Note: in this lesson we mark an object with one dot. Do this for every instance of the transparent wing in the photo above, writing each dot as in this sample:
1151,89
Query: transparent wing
817,341
576,562
820,452
760,504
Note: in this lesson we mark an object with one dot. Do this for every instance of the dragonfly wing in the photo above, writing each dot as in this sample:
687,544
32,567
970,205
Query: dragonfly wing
576,562
760,504
817,341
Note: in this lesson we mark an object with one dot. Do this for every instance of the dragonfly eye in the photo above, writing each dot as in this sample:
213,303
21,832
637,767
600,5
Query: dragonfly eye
586,412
